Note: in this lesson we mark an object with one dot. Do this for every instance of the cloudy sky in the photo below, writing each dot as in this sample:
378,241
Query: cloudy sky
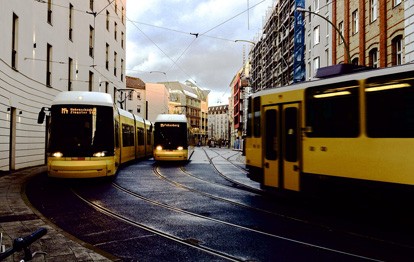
162,39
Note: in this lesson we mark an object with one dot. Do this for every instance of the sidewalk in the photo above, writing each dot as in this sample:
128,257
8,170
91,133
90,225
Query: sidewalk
18,219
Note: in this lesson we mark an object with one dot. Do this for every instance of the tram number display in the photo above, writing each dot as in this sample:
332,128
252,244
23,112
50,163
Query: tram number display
78,111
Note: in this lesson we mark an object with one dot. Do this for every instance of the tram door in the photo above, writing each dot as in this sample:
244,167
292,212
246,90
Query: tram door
282,137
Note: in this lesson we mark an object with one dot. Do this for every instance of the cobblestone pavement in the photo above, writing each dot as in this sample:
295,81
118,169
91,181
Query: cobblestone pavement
18,219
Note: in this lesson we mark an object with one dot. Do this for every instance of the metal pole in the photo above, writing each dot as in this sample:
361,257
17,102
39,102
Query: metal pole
336,28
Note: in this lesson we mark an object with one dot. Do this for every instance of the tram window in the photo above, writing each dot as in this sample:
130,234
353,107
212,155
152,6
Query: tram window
271,135
333,111
291,134
116,134
81,130
149,135
127,135
256,117
390,106
140,132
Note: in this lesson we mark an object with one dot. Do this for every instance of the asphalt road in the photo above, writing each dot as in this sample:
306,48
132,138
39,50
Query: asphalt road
206,210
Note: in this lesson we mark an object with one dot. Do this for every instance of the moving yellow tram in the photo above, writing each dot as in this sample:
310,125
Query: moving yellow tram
172,139
351,131
88,136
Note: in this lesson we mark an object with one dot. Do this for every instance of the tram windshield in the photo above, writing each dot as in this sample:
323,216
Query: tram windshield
171,135
81,131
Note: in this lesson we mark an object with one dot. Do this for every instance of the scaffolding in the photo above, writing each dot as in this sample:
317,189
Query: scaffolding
272,56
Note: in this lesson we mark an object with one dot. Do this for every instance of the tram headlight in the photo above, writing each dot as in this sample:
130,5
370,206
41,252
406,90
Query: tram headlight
99,154
180,148
57,154
159,148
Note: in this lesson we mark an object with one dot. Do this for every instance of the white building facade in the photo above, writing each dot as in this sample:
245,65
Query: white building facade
48,47
409,31
318,38
218,120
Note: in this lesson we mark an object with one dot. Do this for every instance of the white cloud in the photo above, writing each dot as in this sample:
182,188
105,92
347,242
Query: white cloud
162,35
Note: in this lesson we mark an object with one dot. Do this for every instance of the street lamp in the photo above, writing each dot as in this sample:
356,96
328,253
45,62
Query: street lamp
161,72
247,41
336,28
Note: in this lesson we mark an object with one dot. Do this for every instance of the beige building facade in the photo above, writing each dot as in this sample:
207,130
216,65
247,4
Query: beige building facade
48,47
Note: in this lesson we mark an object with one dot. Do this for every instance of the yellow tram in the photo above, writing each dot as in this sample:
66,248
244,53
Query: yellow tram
354,130
172,139
90,137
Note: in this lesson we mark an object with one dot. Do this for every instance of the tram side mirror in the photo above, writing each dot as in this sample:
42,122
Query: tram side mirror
42,114
41,117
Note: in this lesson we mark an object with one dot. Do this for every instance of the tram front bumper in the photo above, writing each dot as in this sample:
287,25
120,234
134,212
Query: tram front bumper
78,169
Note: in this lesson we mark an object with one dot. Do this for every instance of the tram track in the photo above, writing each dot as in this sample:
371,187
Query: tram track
192,242
187,242
103,208
238,183
276,214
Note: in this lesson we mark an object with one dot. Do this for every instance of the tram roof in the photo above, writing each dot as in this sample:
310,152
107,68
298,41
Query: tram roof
342,78
171,118
83,98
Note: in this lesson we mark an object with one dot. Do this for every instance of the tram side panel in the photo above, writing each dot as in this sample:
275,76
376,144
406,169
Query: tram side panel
362,136
253,145
353,134
149,139
127,137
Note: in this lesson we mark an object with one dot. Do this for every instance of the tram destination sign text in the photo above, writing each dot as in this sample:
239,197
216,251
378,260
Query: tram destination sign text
78,111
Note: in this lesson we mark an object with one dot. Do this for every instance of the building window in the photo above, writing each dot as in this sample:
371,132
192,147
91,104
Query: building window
107,56
91,40
106,87
139,95
355,22
91,81
123,15
49,11
115,30
49,65
316,35
115,56
122,70
397,50
15,27
341,30
373,10
70,21
91,5
397,2
316,64
116,6
373,58
70,73
316,5
107,20
122,40
355,61
328,29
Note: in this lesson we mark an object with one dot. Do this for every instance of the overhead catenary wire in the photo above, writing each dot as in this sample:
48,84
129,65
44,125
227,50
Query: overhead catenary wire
182,54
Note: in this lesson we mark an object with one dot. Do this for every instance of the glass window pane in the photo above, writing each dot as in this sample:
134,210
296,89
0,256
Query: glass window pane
333,110
390,106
